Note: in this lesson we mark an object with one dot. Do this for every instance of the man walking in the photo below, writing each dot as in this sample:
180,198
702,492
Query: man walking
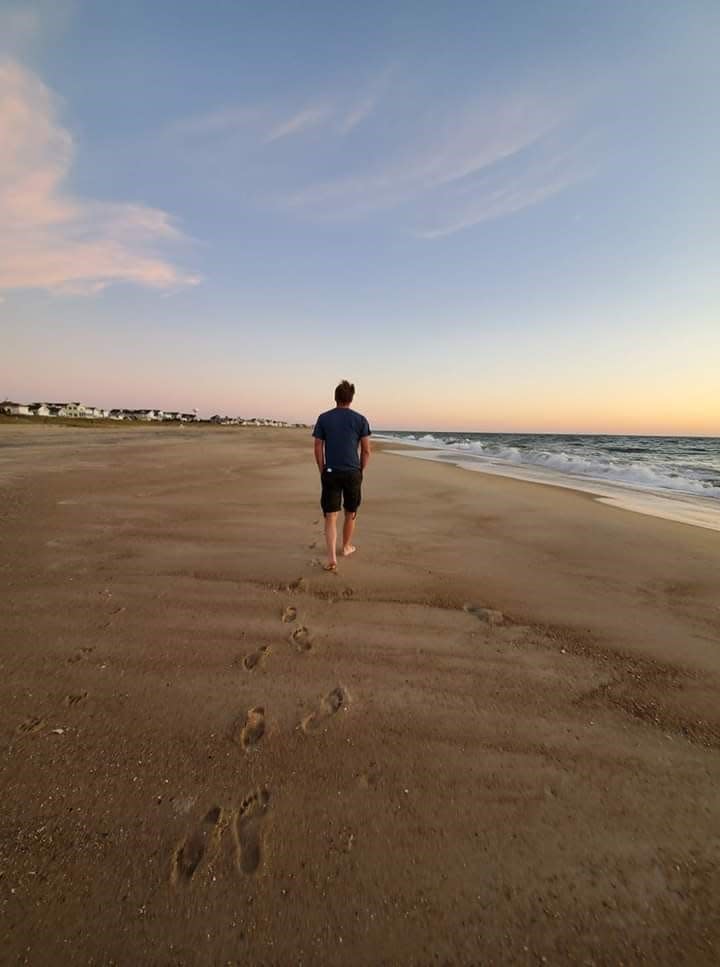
342,451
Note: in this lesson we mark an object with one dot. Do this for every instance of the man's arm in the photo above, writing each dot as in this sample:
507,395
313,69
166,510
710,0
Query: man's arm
364,451
320,454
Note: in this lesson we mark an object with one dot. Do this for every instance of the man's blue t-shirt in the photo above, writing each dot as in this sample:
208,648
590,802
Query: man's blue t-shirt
341,429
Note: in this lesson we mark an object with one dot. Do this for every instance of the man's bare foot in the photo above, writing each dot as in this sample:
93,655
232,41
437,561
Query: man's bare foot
330,566
347,551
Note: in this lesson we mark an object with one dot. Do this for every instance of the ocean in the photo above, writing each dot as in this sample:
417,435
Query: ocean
673,477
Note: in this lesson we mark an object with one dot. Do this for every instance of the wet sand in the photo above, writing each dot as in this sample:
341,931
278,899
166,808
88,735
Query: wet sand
492,737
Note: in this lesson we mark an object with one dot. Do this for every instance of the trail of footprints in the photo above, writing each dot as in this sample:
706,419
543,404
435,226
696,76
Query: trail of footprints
197,852
199,849
299,637
33,724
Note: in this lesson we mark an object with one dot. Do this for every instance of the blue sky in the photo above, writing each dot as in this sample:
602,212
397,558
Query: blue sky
488,215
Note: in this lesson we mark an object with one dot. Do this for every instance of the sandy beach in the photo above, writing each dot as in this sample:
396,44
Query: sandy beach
492,737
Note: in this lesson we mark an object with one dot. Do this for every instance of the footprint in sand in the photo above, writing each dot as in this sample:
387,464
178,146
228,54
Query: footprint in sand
247,830
252,660
31,725
248,731
330,704
74,698
289,614
489,615
301,639
201,844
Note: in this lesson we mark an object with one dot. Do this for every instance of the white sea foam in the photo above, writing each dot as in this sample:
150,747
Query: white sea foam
632,473
676,479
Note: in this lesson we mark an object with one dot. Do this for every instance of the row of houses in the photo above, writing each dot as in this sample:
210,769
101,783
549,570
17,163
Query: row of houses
254,421
84,411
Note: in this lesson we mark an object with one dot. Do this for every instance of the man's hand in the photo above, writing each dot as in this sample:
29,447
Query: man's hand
320,454
364,452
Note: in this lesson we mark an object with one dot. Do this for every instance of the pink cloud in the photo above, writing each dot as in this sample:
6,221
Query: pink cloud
50,239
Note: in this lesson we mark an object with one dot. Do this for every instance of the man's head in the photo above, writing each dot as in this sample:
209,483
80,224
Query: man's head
344,393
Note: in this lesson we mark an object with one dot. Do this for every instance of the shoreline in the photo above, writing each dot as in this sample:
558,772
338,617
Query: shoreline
685,508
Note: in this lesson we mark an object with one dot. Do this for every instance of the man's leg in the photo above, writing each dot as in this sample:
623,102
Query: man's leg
331,539
348,528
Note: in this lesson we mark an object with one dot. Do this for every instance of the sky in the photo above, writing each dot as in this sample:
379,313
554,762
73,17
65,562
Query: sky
499,216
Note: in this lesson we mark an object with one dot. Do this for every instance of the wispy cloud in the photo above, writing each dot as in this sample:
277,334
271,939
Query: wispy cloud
359,112
443,167
356,115
366,105
502,193
50,239
340,114
309,117
449,147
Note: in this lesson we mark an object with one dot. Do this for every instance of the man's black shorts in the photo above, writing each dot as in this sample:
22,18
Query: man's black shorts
340,485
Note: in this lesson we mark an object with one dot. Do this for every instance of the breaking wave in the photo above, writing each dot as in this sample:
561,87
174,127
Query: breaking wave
683,465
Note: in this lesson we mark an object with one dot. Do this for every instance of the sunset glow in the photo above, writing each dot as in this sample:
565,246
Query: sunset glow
488,222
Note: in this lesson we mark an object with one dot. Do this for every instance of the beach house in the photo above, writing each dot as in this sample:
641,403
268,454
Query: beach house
14,409
73,410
